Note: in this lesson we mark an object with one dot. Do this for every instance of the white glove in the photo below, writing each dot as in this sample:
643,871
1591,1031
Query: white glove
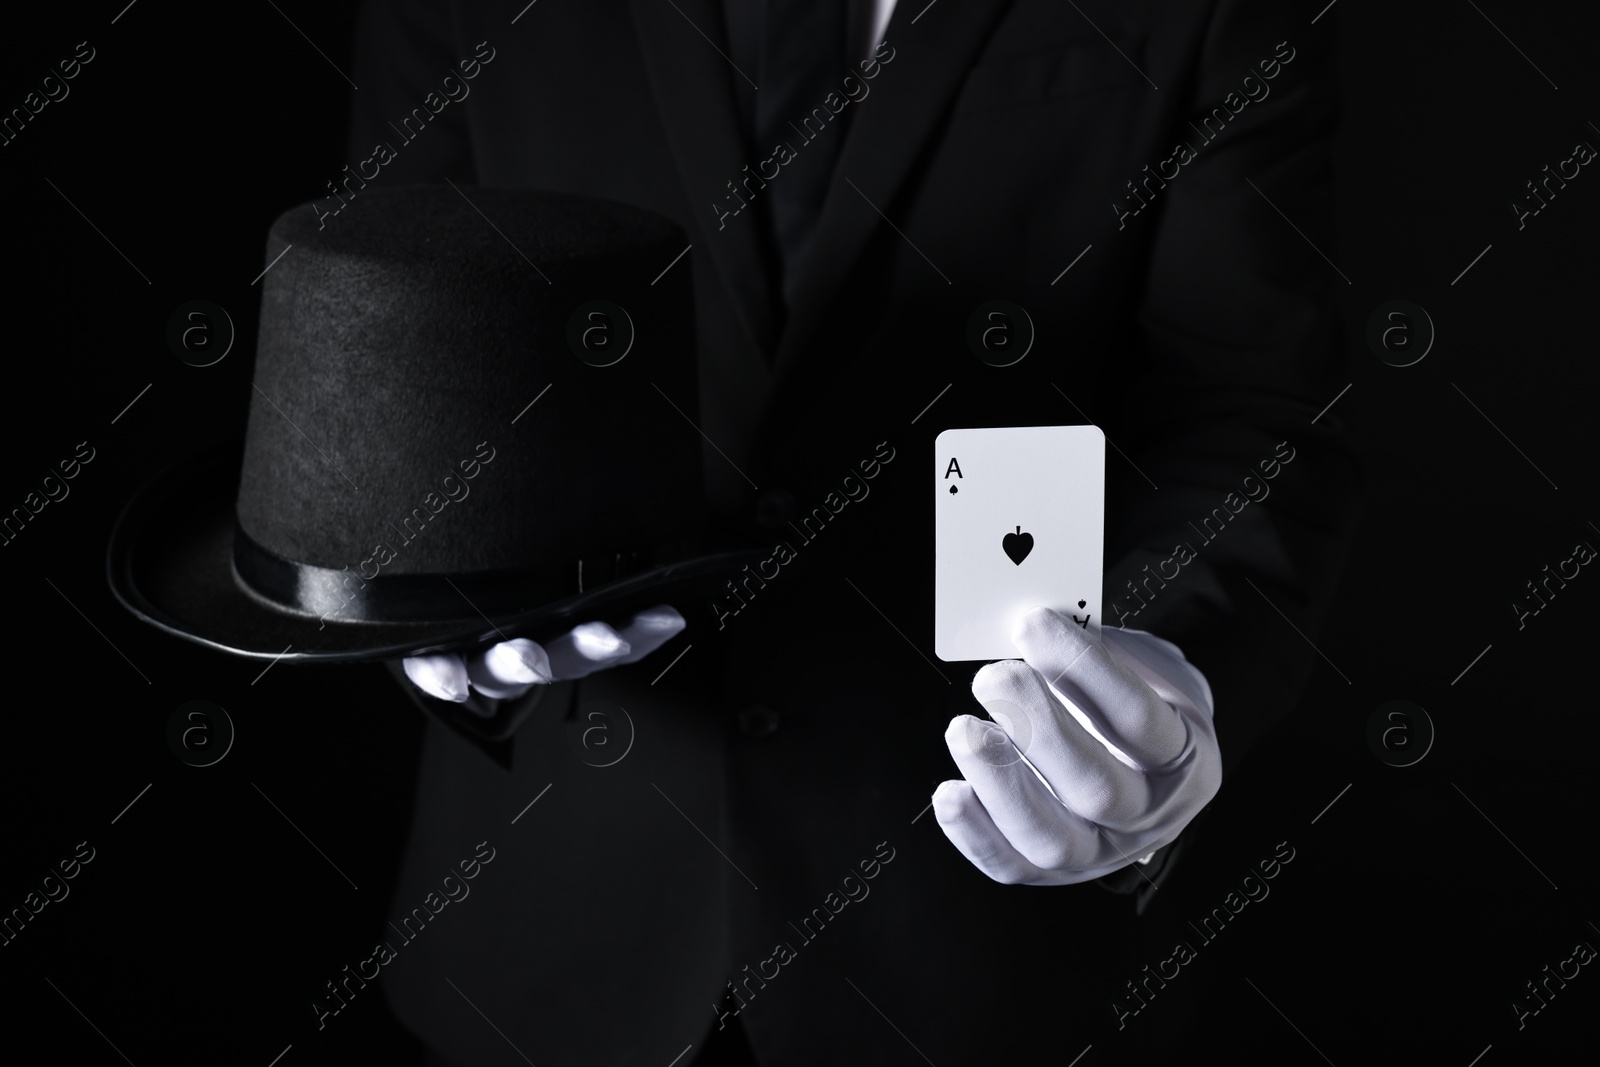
509,669
1104,752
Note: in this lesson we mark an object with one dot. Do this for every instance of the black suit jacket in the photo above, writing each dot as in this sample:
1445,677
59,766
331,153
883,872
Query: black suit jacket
796,742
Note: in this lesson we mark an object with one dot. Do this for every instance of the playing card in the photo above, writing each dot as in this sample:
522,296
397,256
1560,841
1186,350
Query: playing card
1020,523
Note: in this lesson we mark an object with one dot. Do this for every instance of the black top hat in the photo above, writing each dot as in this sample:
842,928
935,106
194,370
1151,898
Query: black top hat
467,423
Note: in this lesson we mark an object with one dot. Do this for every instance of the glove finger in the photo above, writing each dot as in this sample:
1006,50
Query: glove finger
443,675
1079,666
585,649
1081,771
649,630
964,821
1020,805
509,669
1161,665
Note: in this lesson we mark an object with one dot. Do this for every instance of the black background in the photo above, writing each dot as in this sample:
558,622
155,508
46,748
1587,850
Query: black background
1416,906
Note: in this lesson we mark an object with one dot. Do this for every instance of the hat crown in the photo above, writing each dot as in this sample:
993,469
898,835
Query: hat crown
401,343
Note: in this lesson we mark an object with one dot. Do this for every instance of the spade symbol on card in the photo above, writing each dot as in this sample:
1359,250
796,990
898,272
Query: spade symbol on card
1017,545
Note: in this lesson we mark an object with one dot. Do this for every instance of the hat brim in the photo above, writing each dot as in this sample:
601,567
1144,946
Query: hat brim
170,563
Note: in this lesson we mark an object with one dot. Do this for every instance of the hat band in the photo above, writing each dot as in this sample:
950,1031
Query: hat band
348,596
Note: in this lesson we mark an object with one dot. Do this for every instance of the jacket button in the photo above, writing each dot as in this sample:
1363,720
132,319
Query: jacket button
758,720
774,508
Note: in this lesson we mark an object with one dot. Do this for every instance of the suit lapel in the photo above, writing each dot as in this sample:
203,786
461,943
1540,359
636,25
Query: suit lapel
909,98
698,116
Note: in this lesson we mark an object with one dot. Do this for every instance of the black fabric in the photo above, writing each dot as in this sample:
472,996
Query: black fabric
745,22
1200,334
746,28
726,1047
1144,880
804,56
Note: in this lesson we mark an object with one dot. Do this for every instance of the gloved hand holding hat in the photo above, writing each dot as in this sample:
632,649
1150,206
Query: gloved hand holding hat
441,460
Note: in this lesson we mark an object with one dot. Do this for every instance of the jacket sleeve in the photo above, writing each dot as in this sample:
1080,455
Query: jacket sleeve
1229,539
1233,555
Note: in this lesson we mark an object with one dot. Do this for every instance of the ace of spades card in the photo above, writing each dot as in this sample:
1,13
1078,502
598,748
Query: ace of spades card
1019,523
